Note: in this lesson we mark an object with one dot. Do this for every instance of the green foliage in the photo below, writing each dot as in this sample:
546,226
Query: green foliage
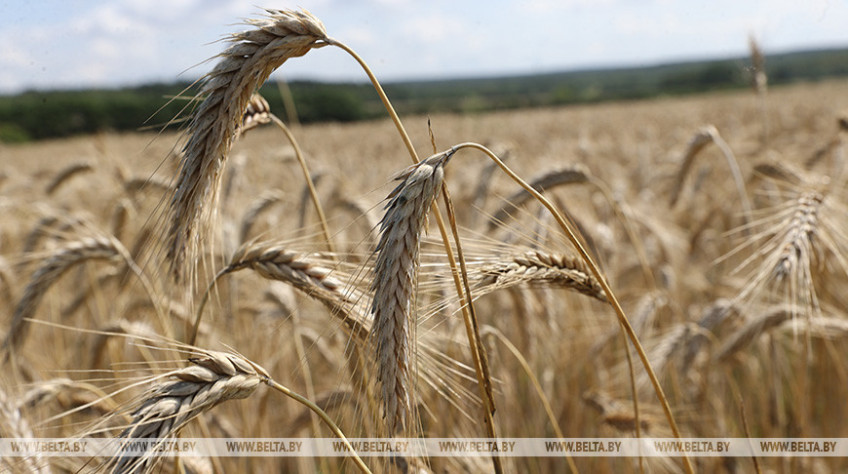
37,115
706,77
13,133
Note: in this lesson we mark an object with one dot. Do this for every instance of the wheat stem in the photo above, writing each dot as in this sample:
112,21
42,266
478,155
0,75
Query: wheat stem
546,404
596,271
323,415
383,97
309,183
439,220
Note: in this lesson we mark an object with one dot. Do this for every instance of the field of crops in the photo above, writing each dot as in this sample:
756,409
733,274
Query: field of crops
718,221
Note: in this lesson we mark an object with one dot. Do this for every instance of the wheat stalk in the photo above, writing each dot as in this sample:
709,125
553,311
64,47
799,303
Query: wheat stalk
757,325
53,267
538,268
705,136
394,281
257,113
327,401
213,378
483,379
481,191
13,425
596,272
260,205
227,90
65,175
573,174
275,261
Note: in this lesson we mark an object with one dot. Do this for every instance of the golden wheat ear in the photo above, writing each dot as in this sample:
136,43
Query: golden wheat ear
227,90
394,281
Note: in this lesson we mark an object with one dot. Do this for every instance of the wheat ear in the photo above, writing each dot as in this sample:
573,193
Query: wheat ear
14,425
257,113
759,82
574,174
213,378
243,67
134,186
761,323
275,262
260,205
705,136
55,266
791,250
65,175
537,268
394,280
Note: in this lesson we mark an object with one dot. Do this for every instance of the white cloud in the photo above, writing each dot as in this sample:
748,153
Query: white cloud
124,41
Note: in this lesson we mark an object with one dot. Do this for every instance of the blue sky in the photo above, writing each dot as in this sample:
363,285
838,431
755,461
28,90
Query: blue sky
77,43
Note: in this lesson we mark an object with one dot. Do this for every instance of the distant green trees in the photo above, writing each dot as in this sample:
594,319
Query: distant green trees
37,115
706,77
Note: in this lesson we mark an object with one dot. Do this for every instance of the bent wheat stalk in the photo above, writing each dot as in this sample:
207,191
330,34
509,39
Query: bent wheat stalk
50,270
65,175
244,66
258,112
213,378
275,262
538,268
705,136
596,272
310,184
483,379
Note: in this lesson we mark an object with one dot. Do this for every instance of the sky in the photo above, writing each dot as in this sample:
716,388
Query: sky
48,44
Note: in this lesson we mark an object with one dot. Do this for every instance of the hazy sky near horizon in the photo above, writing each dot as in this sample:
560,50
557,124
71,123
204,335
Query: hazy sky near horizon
80,43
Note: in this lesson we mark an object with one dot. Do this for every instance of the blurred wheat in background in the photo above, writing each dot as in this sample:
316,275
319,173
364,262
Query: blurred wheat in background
219,288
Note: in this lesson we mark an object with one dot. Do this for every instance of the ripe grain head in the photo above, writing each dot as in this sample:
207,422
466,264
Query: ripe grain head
253,55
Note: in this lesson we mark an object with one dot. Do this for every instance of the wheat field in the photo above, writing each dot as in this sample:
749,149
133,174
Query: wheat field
718,222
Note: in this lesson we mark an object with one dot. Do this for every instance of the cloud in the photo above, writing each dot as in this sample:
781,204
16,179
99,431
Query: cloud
131,41
120,42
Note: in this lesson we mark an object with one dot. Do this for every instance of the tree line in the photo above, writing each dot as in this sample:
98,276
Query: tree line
36,115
